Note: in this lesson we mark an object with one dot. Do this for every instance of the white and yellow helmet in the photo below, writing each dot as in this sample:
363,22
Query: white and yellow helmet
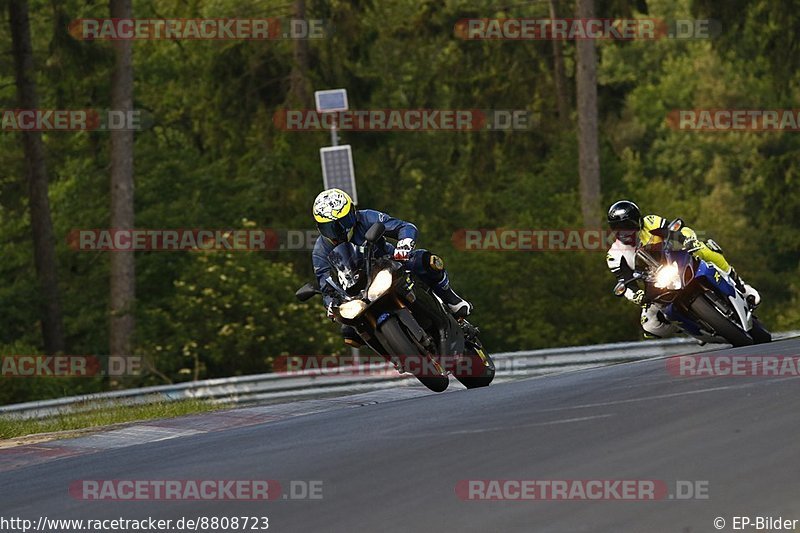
335,215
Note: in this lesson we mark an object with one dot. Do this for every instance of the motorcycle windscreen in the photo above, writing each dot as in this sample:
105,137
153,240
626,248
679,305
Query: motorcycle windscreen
347,264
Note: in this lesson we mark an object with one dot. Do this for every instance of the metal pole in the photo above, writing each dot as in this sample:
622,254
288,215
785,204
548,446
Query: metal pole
334,133
354,352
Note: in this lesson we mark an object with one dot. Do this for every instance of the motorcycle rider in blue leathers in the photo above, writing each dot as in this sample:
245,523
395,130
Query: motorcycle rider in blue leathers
339,221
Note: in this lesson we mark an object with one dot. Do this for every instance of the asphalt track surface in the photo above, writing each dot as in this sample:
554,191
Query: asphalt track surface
394,465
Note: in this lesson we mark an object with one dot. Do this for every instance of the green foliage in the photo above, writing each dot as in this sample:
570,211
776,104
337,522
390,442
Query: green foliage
21,388
110,413
232,313
213,158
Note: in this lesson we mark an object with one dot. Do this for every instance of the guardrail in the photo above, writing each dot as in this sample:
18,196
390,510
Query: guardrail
279,387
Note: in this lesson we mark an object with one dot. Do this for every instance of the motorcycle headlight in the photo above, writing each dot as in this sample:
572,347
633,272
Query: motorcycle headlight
381,284
352,309
667,277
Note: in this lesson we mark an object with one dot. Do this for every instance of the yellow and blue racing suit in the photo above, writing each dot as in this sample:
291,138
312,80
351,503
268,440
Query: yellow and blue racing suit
621,261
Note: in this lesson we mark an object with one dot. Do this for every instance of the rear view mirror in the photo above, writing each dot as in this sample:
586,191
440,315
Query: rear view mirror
306,292
619,290
676,225
375,232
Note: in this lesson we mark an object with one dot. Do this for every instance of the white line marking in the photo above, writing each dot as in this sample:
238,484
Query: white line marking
535,424
502,428
634,400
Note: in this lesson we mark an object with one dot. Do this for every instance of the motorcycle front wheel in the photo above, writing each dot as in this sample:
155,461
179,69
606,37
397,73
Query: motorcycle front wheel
398,343
722,326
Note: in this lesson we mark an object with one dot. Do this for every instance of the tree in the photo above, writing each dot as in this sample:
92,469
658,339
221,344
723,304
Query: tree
39,203
588,150
123,279
298,90
562,100
213,158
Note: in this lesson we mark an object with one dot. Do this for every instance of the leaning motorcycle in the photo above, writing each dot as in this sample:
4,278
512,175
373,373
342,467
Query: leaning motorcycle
400,318
700,299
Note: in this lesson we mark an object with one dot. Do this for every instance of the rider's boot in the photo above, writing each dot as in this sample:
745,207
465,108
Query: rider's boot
458,306
436,277
750,294
655,324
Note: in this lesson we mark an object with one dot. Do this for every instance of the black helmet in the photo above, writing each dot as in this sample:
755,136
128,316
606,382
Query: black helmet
624,216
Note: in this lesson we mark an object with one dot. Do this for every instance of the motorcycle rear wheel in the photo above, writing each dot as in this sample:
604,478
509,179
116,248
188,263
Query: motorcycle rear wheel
759,333
472,381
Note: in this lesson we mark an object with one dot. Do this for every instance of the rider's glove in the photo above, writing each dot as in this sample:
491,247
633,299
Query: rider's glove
692,244
403,249
638,297
329,311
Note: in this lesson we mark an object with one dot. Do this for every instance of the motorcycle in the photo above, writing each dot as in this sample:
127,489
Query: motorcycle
401,319
698,298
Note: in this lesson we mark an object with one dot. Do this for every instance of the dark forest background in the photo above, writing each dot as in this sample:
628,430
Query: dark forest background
212,158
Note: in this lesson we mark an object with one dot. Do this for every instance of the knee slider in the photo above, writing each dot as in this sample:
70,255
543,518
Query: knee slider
434,262
714,247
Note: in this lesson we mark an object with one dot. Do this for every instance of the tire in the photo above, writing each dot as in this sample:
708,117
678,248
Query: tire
474,382
398,343
723,327
759,333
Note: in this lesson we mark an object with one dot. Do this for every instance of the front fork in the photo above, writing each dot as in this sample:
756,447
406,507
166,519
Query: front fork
736,308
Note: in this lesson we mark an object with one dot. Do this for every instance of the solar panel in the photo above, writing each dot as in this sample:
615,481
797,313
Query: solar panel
337,169
331,100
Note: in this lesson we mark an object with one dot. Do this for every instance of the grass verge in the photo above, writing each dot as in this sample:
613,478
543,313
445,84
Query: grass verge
111,413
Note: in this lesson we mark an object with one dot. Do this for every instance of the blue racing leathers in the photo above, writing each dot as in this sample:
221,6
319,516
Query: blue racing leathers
419,261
